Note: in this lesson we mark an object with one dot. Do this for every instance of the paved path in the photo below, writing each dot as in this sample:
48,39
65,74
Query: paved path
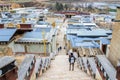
59,69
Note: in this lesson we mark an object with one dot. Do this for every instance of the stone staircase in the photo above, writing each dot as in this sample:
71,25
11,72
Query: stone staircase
59,70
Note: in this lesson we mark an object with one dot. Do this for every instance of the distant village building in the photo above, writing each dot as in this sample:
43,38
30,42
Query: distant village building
17,1
37,43
87,35
8,68
81,19
69,14
5,7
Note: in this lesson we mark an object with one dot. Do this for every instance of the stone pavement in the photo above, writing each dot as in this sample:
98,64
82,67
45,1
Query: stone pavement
59,69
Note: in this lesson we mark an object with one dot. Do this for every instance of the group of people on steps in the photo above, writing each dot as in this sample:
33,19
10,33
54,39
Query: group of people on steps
60,48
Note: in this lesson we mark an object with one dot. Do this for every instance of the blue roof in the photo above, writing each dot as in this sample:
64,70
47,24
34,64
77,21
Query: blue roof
83,42
75,26
69,36
5,38
89,32
86,20
105,41
73,20
80,26
81,39
86,44
6,34
32,16
46,29
42,23
37,35
6,20
31,37
94,33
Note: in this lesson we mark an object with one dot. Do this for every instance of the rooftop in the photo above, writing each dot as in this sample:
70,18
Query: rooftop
6,34
83,42
25,65
4,61
46,29
109,69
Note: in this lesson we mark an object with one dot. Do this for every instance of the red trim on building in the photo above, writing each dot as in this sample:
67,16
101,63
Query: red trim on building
1,25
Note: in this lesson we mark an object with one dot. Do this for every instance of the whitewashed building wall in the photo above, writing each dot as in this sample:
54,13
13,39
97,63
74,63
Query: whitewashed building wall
32,48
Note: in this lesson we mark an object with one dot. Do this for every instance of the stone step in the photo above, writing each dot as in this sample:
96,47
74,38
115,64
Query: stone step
59,70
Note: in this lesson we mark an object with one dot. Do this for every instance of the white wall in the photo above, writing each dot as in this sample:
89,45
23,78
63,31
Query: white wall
32,48
19,48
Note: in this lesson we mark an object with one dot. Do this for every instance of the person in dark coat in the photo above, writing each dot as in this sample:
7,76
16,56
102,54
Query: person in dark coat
60,48
71,61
